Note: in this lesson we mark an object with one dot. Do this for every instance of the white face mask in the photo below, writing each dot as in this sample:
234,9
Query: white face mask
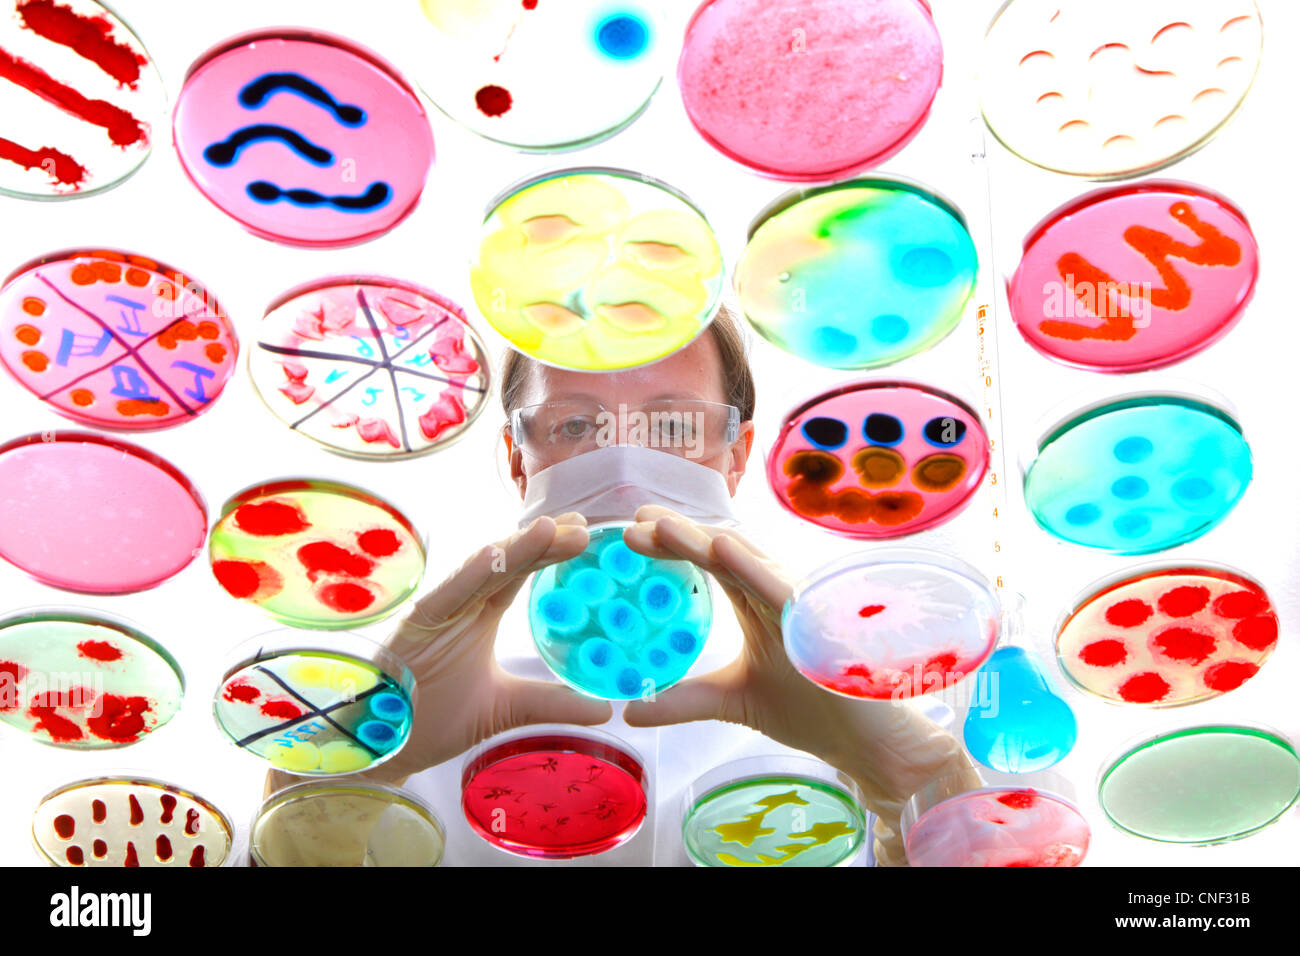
610,483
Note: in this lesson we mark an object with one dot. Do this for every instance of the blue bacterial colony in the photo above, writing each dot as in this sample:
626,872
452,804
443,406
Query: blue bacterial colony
1016,722
1139,475
617,625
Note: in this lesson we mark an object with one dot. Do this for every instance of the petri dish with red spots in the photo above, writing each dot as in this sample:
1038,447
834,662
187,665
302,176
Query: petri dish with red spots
80,98
957,820
76,678
370,367
878,459
891,623
810,90
318,705
303,138
129,821
554,793
315,553
115,340
86,513
1166,635
550,75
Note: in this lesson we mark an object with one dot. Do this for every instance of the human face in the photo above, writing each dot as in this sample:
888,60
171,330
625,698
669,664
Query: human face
693,373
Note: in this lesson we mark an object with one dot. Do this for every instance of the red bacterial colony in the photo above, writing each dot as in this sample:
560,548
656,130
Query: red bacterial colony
270,518
1144,689
1017,799
1104,653
99,651
493,100
65,827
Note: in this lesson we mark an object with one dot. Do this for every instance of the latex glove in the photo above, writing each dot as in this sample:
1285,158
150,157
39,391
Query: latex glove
888,747
463,696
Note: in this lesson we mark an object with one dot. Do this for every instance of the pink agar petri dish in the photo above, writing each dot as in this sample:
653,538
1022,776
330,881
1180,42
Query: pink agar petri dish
1132,278
812,90
85,513
556,794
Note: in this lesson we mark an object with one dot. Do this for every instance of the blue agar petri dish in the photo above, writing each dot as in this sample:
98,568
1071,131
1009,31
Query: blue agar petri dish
1139,473
617,625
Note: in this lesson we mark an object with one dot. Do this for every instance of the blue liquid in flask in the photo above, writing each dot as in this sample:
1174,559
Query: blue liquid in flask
1016,722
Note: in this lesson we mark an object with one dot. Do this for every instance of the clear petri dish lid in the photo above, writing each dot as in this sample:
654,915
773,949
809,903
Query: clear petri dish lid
991,819
891,623
1200,784
591,791
81,679
317,553
315,704
774,810
1166,633
125,818
345,823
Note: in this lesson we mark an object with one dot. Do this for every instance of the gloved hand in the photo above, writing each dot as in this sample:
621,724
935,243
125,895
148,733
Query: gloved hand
889,748
462,694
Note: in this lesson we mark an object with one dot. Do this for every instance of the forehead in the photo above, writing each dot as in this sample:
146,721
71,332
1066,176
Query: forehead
693,372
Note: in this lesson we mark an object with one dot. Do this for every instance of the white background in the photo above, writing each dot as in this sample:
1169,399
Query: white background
459,500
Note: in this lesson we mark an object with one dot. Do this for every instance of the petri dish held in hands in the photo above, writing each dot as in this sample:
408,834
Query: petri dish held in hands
115,340
85,513
79,679
774,811
318,705
370,367
1110,89
79,97
1201,784
554,793
1134,277
891,623
540,76
596,269
878,459
303,138
1166,635
1138,473
859,274
617,625
813,90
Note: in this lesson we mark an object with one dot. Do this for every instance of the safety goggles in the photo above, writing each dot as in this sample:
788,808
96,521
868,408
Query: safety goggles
687,428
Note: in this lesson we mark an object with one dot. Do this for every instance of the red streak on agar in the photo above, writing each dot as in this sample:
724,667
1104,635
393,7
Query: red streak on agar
63,168
122,128
1184,601
131,858
60,729
1104,653
282,709
168,807
323,557
270,518
871,610
346,597
137,814
89,37
100,849
1129,613
239,691
98,812
65,826
1017,800
164,848
1144,689
191,822
75,856
379,543
99,651
196,858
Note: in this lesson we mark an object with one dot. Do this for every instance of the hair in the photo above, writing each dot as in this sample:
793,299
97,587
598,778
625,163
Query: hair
737,376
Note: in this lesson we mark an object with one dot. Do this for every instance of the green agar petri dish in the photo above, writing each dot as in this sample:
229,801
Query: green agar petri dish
1201,785
774,811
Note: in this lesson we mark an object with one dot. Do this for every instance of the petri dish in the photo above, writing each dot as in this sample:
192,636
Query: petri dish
303,138
878,459
85,513
891,623
318,705
1107,89
1201,784
957,821
554,793
1137,277
810,90
130,821
76,678
80,101
858,274
370,367
115,340
550,76
345,824
774,811
617,625
314,553
1165,635
596,269
1138,473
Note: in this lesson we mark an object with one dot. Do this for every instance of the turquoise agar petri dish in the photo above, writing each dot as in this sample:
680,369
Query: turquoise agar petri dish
1201,784
1139,473
774,811
858,274
617,625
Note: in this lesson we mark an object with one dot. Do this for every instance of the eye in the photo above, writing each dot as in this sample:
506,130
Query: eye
945,432
828,433
881,429
573,429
